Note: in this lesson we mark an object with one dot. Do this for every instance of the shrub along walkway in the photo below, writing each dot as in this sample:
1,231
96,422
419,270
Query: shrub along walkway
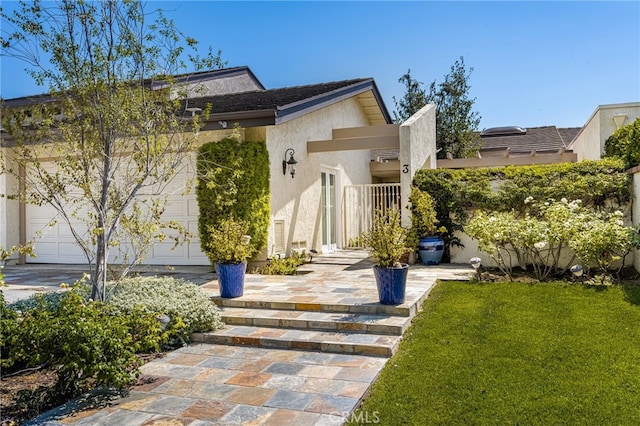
297,350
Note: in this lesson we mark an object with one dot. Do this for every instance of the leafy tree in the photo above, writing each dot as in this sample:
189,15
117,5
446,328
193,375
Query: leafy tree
456,122
414,98
625,144
115,134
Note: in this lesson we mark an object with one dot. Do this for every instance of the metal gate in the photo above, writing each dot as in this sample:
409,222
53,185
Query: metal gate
359,206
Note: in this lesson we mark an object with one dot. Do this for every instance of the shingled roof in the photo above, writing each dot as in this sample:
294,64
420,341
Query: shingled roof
275,106
544,138
268,106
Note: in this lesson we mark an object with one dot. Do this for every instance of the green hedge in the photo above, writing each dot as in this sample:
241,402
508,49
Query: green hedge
233,181
624,143
456,191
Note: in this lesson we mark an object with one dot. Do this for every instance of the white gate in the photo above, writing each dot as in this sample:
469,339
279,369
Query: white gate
360,204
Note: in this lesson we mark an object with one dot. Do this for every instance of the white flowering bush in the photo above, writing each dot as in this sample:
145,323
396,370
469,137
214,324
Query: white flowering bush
604,241
551,235
177,298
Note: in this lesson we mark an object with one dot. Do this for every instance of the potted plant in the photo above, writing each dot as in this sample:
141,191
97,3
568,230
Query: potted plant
229,247
387,243
424,230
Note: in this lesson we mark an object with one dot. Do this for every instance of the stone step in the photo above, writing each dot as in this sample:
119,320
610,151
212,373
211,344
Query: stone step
404,310
309,320
323,341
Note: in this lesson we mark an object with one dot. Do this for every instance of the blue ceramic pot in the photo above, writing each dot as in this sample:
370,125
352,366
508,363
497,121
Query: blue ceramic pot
231,278
391,283
431,250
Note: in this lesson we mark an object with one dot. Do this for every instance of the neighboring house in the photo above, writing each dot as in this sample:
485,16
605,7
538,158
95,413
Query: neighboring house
502,146
526,140
332,129
606,119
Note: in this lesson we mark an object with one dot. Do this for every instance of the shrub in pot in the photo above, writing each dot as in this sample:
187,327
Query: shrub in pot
229,247
425,234
387,243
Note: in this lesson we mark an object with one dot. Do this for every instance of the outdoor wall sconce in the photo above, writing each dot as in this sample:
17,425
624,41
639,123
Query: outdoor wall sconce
289,164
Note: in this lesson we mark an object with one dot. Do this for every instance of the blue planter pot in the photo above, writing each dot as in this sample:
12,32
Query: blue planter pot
392,283
431,250
231,278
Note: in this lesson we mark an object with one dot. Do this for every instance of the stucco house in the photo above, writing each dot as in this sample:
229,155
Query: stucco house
514,145
333,130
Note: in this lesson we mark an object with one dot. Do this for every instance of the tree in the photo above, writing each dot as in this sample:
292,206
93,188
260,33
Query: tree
414,98
114,135
456,122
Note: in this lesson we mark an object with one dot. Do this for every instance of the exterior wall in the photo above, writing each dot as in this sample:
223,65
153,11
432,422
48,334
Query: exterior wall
297,201
417,151
589,143
9,212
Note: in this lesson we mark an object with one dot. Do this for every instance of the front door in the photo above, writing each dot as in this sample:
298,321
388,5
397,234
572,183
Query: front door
329,209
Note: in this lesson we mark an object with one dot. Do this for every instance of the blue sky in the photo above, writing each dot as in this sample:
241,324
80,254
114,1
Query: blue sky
534,63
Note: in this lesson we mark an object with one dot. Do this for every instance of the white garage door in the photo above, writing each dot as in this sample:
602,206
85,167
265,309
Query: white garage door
55,244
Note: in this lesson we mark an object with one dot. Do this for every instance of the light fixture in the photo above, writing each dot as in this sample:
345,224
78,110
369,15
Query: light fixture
194,111
163,320
475,263
289,164
577,270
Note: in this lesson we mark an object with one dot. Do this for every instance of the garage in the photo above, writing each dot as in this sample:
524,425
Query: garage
54,242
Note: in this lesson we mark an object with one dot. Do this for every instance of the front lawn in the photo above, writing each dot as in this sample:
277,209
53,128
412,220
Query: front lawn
518,354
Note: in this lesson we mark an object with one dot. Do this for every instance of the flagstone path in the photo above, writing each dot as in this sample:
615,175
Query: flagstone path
297,350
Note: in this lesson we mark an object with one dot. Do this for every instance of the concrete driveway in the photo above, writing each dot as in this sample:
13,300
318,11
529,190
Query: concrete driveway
24,281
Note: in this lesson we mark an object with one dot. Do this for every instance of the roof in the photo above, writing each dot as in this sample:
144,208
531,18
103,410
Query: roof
276,106
188,78
263,107
544,138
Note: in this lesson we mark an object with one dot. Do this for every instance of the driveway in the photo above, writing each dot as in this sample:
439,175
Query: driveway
24,281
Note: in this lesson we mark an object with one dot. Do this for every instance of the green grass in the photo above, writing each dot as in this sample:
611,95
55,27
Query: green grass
515,354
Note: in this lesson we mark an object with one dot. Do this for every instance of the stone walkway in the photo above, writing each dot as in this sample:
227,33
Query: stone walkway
298,350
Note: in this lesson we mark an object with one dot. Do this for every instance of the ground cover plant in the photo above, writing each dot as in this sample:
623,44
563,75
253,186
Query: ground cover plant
514,353
56,346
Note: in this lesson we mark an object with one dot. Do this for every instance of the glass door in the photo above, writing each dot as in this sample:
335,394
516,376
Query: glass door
329,208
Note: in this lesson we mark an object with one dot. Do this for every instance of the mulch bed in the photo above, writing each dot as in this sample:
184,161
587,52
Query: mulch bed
21,396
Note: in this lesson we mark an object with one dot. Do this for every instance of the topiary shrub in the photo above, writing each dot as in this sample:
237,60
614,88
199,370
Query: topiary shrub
233,182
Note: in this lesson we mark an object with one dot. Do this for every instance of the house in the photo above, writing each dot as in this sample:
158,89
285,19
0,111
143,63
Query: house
331,129
515,145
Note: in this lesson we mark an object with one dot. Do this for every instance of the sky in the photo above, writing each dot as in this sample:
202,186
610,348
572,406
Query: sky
533,63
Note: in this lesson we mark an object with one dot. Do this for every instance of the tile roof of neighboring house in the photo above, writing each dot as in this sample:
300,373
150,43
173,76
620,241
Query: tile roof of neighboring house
536,138
569,134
